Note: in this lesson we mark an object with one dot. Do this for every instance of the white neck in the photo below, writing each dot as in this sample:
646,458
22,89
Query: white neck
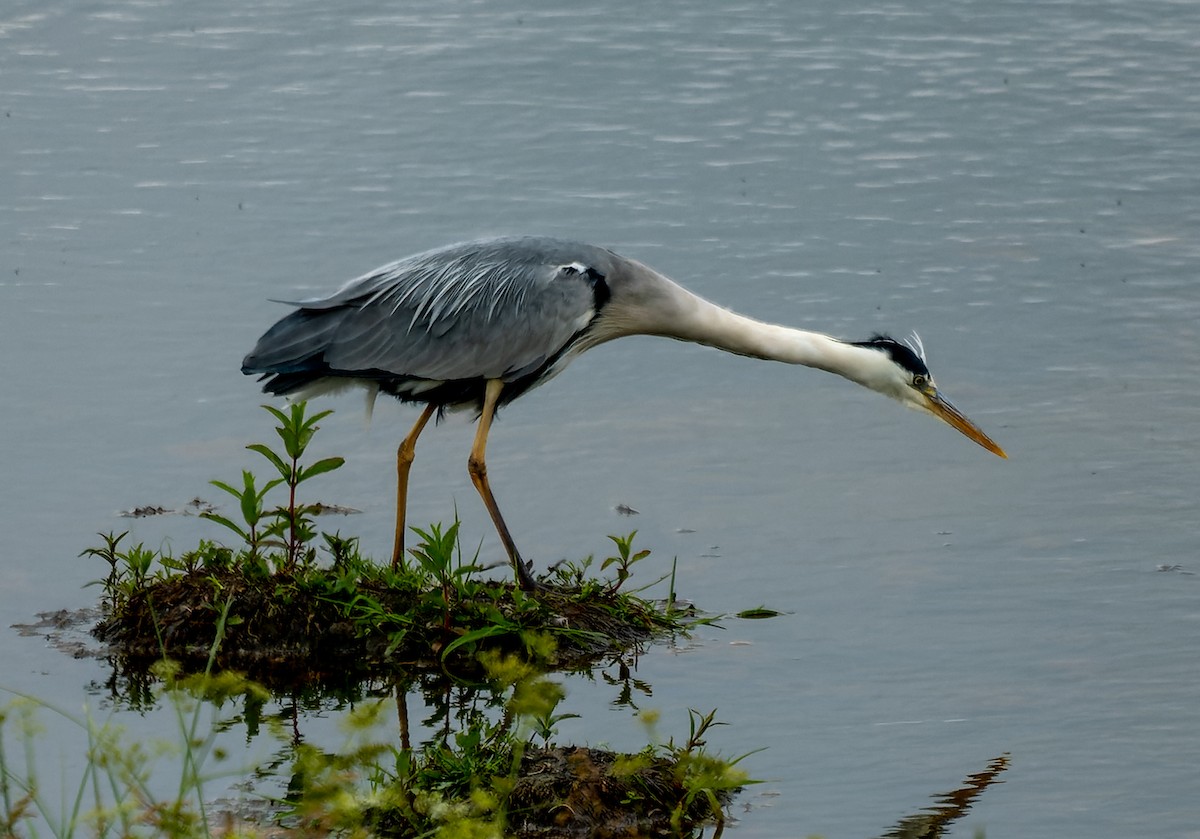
671,311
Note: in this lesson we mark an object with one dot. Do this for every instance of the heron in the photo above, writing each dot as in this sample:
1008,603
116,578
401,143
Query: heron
478,324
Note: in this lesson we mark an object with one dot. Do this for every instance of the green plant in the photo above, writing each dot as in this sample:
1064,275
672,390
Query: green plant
250,503
206,557
545,724
439,559
129,569
112,556
702,774
296,431
287,527
624,559
138,561
346,559
371,617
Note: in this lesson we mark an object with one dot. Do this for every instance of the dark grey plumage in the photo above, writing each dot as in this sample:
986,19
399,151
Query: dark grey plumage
434,327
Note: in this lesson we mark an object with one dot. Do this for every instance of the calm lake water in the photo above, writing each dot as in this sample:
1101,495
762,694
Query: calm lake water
1018,181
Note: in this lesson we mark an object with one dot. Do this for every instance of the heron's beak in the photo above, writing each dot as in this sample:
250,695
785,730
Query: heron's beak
943,410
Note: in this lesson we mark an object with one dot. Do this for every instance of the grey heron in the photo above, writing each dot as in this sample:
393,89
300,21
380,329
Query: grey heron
475,325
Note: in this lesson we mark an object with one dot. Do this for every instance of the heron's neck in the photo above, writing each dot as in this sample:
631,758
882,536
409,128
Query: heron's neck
697,320
655,305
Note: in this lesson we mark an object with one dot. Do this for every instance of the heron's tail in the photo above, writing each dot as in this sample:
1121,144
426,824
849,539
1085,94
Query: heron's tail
290,356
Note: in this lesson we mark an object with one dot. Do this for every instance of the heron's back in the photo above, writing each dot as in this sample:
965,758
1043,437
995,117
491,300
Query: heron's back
434,327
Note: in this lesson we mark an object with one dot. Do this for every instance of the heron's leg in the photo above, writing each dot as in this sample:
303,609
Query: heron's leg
404,459
478,469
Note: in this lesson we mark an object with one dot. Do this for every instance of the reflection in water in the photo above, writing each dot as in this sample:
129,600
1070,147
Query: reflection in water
452,701
951,806
625,682
458,710
453,705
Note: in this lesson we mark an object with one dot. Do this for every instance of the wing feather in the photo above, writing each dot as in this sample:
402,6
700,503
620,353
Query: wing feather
498,309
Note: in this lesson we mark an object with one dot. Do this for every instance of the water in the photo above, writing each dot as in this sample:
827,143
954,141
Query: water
1018,181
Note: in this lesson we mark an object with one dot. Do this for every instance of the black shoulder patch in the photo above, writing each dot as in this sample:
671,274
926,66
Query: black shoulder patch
600,289
900,353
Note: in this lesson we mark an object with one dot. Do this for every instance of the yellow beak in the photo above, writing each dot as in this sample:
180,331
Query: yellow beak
943,410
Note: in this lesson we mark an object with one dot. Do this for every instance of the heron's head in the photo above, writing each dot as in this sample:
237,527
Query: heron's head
907,379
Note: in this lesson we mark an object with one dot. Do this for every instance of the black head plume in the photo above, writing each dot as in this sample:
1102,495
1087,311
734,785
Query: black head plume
911,358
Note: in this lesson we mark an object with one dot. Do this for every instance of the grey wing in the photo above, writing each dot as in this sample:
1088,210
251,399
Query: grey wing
498,310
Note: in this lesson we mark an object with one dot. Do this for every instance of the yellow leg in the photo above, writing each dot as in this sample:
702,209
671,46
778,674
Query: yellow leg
404,459
477,467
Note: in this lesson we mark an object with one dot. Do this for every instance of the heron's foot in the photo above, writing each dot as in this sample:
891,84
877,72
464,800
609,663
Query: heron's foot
525,580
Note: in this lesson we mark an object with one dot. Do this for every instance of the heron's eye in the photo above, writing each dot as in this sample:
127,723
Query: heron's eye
920,382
